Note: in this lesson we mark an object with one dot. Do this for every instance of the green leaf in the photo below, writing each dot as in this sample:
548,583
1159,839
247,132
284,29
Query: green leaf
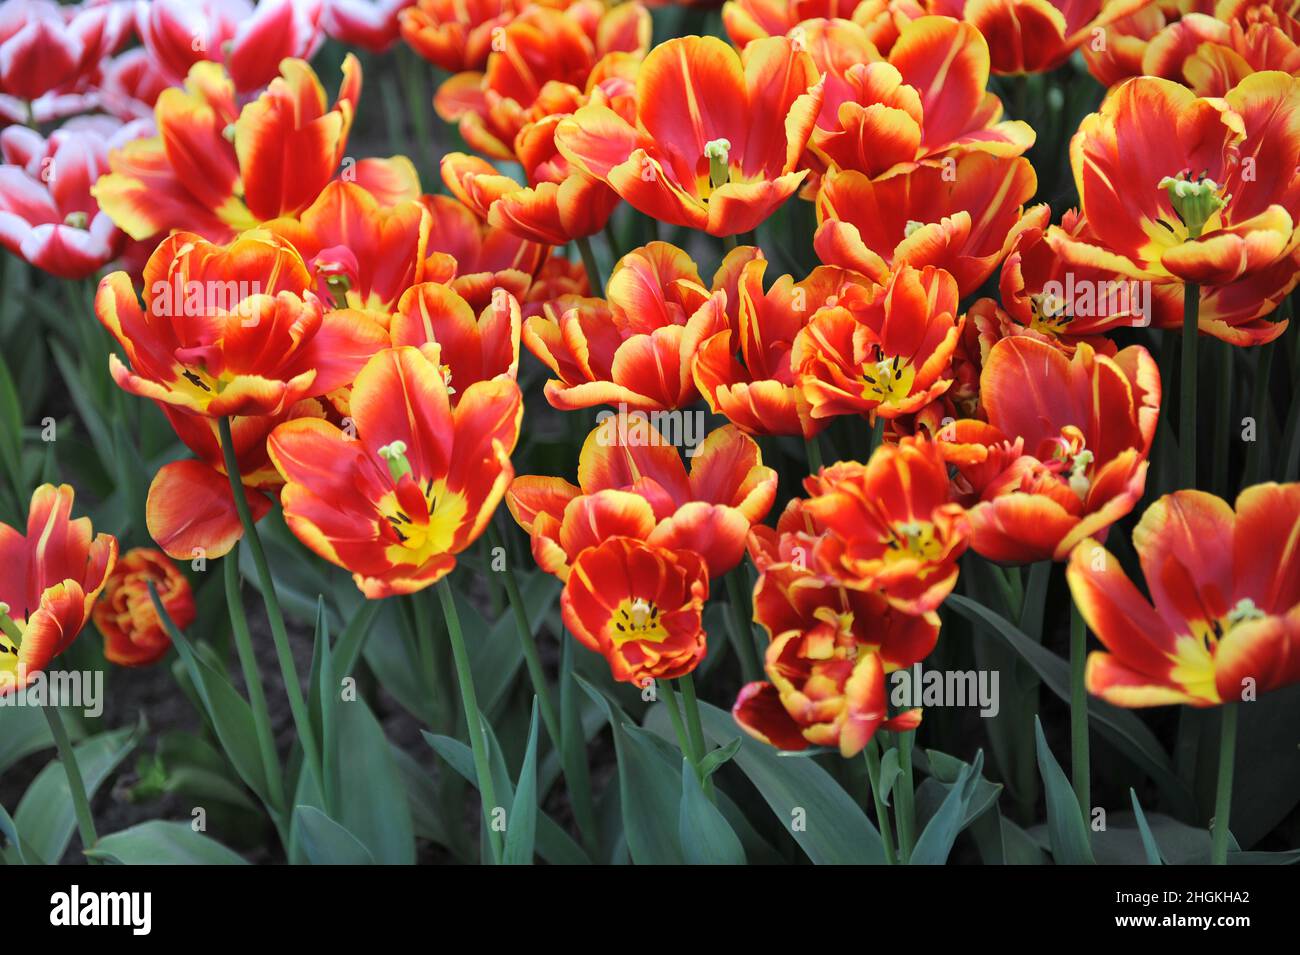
1148,840
45,815
158,842
15,850
825,820
716,759
521,829
649,796
372,802
1129,734
23,731
705,835
326,842
941,832
889,773
1065,826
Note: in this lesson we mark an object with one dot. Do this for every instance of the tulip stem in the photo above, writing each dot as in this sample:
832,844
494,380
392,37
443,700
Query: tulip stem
1187,396
1079,712
1223,791
679,728
253,680
904,798
872,753
473,719
813,448
741,628
592,266
76,786
279,635
694,728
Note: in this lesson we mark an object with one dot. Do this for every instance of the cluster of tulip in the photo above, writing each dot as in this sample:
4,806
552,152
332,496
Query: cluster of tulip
334,345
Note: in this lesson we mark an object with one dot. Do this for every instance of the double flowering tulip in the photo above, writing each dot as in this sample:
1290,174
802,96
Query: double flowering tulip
1178,189
134,634
250,41
1210,48
1063,454
884,350
1032,36
928,99
217,169
415,485
632,483
639,606
50,578
888,525
47,213
634,347
962,214
540,66
231,330
1223,620
831,648
758,391
717,136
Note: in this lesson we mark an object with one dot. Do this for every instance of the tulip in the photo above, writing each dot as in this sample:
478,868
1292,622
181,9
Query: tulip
46,47
134,635
370,24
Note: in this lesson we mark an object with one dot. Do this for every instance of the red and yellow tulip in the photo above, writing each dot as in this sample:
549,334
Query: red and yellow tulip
50,578
1222,623
133,632
640,606
415,485
632,483
1063,454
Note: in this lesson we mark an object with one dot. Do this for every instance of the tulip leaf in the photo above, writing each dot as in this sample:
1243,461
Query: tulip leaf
716,759
706,837
45,815
825,820
326,842
1129,734
1066,829
521,829
889,773
23,731
371,800
1149,846
158,842
936,840
649,795
16,851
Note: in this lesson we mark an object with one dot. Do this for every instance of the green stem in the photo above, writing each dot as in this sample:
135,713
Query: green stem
872,753
1260,404
813,447
592,266
1223,791
253,680
1187,396
1223,418
741,628
473,719
679,727
729,242
1079,765
80,804
694,728
279,635
904,798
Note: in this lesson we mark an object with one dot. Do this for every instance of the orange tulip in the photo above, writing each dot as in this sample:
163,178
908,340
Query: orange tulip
928,99
640,606
962,215
231,330
417,483
1033,36
50,579
634,347
758,391
632,483
546,59
217,169
1063,454
133,632
1176,189
749,20
831,648
476,259
456,34
1223,620
884,350
888,525
717,135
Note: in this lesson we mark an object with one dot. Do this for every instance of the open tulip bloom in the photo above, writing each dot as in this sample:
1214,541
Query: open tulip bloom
761,431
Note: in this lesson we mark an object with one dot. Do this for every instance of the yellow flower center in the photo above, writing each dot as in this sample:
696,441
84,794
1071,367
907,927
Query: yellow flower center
888,380
637,619
1050,316
424,536
913,540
